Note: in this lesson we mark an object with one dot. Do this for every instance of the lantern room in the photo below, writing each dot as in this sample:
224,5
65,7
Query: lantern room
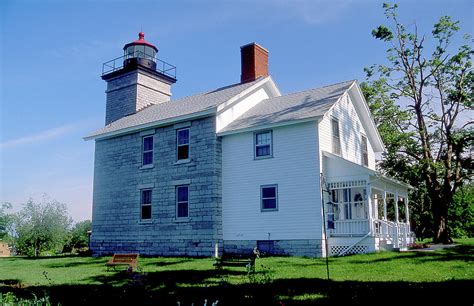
140,52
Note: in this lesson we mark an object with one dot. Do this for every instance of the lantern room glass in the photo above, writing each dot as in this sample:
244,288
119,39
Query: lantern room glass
140,51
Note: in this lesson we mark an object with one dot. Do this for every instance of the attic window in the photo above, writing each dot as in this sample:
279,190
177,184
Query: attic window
336,141
364,151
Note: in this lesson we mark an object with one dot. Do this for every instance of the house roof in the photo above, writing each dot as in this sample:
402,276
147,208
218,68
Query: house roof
200,104
293,107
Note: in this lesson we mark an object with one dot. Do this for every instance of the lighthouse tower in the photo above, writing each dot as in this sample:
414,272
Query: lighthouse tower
136,80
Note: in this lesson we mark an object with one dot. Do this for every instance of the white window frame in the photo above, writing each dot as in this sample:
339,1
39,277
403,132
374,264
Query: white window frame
142,204
147,151
182,145
255,145
178,202
336,139
262,198
364,151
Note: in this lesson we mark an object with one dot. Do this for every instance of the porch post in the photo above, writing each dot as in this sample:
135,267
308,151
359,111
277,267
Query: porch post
396,207
369,210
407,214
397,226
385,205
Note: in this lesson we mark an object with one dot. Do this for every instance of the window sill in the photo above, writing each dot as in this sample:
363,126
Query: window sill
183,161
150,166
269,209
148,221
181,220
262,157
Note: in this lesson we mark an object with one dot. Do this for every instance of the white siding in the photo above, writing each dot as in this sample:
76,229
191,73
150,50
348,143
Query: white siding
239,108
294,167
350,130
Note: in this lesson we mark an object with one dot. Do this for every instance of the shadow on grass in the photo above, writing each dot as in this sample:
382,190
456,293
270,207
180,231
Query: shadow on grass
460,252
194,286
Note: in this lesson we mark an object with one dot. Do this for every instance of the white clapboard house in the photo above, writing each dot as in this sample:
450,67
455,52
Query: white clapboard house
239,166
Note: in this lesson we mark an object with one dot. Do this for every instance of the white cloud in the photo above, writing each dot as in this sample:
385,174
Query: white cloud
40,137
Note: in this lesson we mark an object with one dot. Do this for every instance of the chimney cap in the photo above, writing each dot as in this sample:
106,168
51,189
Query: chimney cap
254,44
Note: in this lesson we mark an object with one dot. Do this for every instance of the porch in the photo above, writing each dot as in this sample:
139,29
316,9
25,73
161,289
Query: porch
366,215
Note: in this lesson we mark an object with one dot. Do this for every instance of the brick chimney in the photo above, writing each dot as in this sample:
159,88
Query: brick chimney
254,61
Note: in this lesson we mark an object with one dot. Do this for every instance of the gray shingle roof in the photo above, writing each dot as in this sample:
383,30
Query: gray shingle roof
207,101
296,106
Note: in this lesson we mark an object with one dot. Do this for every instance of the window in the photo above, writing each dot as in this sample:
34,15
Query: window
263,144
145,203
336,141
147,150
365,154
182,201
347,204
183,144
269,197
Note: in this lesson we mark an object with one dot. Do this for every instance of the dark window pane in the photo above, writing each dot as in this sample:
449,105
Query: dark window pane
147,143
182,194
269,192
263,138
182,209
263,150
148,158
146,197
183,152
146,212
269,204
183,137
335,128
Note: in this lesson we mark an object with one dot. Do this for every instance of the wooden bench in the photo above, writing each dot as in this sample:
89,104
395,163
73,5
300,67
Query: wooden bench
238,260
130,260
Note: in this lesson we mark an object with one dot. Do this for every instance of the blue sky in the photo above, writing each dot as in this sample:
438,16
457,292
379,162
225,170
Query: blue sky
52,52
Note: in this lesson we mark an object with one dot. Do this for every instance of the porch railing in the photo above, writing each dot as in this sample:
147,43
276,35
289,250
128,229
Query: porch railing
397,233
350,227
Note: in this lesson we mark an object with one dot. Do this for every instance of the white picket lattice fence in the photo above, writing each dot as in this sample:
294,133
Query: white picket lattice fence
357,249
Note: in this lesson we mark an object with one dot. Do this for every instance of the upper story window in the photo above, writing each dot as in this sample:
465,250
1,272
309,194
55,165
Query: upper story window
336,141
364,151
263,144
147,149
182,201
183,143
269,197
145,204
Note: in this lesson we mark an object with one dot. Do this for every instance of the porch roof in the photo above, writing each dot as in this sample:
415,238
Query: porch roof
339,169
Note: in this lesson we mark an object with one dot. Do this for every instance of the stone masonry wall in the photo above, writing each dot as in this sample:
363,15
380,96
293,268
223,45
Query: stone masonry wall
119,177
133,91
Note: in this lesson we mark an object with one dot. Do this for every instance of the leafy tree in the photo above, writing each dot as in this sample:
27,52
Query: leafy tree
41,227
5,220
461,213
429,138
78,237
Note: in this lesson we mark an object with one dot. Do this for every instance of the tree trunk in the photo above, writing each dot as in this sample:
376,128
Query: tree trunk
440,218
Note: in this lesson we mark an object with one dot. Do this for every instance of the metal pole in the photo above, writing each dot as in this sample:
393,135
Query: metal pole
321,183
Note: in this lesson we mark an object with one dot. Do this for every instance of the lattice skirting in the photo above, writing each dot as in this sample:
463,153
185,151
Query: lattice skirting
357,249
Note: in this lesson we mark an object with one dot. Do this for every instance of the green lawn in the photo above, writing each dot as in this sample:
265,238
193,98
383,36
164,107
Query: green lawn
412,277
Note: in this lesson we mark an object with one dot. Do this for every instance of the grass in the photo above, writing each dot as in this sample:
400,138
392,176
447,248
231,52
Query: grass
413,277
